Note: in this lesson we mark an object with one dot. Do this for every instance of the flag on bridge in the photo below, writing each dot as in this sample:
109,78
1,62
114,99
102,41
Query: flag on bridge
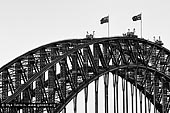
137,17
104,20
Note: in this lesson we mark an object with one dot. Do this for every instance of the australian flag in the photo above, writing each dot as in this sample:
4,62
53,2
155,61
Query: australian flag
104,20
137,17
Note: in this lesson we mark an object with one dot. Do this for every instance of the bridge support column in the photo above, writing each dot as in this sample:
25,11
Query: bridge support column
106,76
136,90
74,76
106,83
126,77
96,95
85,65
86,98
117,91
114,93
63,81
156,85
96,60
75,104
123,90
132,96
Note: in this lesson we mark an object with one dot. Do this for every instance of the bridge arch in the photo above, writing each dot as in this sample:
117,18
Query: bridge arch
55,73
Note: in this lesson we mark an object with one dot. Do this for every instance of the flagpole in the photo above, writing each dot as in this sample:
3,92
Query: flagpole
141,25
108,25
105,20
138,17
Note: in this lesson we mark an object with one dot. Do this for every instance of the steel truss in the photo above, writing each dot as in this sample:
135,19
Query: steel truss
49,77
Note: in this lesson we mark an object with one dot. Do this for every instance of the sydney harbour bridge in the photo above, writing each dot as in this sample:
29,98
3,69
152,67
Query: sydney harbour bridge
47,78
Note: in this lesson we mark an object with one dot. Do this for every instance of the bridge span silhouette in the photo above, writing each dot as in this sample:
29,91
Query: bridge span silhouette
46,79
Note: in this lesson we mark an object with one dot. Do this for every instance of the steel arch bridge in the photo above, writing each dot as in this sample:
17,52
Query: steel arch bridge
49,77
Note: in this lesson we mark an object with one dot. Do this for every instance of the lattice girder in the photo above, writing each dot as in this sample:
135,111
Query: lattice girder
52,75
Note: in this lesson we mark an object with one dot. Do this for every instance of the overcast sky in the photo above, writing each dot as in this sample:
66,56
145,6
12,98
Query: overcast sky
27,24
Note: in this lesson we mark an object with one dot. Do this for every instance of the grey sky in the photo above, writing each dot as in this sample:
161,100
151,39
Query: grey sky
26,24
